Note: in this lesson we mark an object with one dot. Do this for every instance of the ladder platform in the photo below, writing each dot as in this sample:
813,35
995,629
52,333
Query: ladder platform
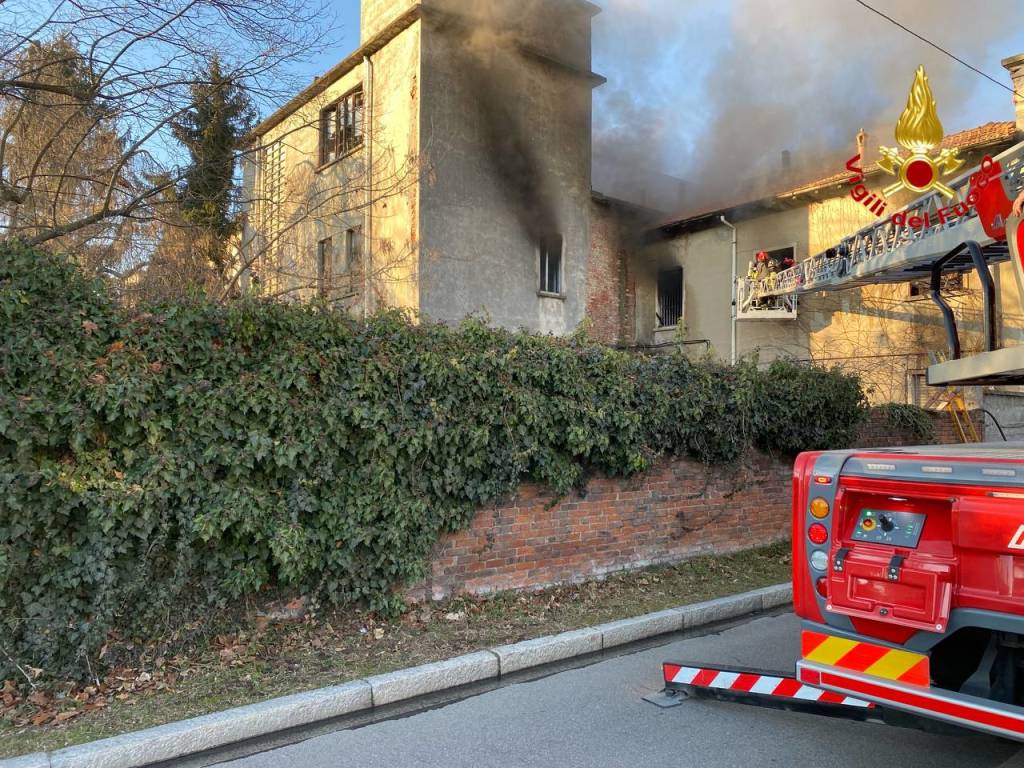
1000,366
892,250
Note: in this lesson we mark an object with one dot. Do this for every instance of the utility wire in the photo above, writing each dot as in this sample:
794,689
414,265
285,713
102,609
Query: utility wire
939,48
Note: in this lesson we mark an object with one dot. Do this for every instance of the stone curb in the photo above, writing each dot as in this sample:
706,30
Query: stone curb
199,734
430,678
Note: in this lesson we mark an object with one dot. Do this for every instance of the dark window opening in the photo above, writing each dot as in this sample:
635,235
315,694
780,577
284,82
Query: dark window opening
324,266
951,282
670,297
341,127
353,248
551,264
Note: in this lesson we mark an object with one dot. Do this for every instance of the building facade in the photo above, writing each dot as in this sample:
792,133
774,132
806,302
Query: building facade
888,333
443,167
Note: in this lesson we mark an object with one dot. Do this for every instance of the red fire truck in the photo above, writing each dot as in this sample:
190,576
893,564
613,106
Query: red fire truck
908,564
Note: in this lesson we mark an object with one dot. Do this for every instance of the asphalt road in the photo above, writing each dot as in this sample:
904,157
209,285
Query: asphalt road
594,716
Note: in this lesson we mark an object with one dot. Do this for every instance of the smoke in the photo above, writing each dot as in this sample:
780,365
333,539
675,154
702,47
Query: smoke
487,40
714,92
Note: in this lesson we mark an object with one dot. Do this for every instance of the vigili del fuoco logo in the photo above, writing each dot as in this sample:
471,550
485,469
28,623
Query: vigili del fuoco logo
918,167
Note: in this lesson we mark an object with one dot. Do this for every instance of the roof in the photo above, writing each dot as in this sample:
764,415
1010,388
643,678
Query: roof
374,44
989,134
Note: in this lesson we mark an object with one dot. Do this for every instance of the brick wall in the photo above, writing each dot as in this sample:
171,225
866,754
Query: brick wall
610,290
677,509
877,433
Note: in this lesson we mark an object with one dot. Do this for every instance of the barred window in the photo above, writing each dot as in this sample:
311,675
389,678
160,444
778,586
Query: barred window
670,297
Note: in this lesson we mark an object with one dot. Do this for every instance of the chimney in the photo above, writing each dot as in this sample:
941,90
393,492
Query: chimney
376,15
1015,66
787,160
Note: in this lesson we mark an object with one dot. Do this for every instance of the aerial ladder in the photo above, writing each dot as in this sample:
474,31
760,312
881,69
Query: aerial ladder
893,250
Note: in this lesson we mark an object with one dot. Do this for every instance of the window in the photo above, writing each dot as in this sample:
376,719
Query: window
551,265
341,127
670,297
952,282
324,266
353,249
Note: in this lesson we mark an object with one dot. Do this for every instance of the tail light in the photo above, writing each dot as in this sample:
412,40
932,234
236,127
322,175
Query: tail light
821,586
817,533
819,508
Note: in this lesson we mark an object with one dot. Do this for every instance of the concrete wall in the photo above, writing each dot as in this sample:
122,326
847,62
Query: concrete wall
706,258
506,139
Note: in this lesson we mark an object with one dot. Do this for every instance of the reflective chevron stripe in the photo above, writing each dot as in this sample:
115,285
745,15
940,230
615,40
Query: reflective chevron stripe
868,658
750,682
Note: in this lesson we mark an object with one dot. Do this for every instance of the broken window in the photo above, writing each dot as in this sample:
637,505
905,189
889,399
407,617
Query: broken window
324,266
341,126
551,264
670,297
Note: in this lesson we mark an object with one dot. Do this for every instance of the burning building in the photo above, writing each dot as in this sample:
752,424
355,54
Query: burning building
444,167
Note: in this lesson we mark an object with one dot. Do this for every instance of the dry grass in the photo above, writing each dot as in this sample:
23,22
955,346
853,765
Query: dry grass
202,672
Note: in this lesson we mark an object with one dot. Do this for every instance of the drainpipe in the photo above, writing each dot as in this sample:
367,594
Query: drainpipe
732,319
368,213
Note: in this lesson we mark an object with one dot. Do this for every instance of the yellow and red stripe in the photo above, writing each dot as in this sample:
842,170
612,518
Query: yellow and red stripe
868,658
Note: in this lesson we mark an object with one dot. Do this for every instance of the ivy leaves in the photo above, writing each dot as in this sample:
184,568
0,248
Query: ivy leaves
153,460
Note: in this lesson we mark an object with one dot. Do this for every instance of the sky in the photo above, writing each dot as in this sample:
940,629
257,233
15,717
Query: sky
705,88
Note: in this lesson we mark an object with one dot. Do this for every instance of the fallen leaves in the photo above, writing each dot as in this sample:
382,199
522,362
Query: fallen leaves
253,654
64,702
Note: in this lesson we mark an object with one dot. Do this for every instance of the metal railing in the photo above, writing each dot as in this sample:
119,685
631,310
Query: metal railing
750,305
880,247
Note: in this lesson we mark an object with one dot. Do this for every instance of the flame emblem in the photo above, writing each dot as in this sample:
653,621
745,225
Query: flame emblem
919,131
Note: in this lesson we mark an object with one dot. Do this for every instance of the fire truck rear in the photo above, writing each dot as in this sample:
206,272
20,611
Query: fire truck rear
908,575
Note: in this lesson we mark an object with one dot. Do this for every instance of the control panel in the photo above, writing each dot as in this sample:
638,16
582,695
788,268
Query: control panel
884,526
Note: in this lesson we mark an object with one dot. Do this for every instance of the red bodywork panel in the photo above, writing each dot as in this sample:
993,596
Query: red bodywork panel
970,553
805,601
993,205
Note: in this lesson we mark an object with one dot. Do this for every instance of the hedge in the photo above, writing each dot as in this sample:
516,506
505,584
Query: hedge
155,460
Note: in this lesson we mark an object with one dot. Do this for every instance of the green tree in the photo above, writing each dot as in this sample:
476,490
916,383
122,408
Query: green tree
212,130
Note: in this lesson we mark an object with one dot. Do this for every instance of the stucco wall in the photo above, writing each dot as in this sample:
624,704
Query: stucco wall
378,199
486,202
706,258
394,143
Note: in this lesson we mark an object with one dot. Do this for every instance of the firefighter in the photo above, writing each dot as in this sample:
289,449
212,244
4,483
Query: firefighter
763,268
1018,204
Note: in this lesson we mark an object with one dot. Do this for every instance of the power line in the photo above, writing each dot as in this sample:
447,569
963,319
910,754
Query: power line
939,48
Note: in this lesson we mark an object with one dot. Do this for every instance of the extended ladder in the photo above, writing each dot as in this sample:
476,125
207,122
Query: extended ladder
890,252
